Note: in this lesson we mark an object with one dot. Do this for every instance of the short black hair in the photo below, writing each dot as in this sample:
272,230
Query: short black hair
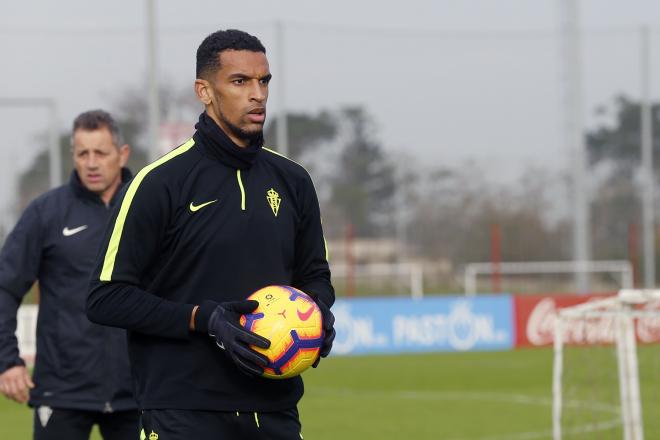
95,120
208,53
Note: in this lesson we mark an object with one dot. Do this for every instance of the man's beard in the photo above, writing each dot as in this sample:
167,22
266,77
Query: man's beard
251,137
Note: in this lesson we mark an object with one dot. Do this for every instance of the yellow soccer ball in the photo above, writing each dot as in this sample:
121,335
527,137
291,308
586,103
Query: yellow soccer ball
292,322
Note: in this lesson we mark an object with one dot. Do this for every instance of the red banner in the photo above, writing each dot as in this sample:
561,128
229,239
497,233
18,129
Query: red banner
535,316
535,322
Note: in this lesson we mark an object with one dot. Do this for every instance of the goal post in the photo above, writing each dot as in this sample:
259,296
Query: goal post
604,383
621,270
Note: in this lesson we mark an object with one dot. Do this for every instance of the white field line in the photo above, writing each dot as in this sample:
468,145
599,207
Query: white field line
522,399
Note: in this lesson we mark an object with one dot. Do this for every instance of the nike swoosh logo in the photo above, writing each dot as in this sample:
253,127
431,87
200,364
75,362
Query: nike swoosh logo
304,316
195,208
69,232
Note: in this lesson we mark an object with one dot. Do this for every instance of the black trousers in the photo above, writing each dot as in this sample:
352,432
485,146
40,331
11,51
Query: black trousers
71,424
172,424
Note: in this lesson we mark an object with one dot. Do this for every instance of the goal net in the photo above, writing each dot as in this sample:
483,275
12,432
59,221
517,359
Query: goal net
606,382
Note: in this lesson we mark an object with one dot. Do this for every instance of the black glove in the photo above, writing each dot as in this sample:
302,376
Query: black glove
328,331
224,325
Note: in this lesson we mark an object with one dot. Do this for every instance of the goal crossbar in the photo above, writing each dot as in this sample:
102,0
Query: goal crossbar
473,270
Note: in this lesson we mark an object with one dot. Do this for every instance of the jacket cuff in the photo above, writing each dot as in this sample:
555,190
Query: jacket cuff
203,315
18,361
327,300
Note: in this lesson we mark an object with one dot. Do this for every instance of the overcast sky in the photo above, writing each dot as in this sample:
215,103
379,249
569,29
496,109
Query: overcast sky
445,80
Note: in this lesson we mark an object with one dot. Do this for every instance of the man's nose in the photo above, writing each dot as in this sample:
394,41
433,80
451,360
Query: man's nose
92,161
258,92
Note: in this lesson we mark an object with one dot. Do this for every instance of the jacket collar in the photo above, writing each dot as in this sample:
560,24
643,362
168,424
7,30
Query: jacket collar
214,142
81,191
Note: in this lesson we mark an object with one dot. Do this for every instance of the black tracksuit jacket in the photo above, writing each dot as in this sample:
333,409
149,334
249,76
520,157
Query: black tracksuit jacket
208,221
79,365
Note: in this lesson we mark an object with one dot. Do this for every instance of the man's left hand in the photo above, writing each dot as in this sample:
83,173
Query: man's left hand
328,331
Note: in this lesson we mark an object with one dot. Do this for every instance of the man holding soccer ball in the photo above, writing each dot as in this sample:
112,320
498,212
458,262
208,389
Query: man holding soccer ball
197,232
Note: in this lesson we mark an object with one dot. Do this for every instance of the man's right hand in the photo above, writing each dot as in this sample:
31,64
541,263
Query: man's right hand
224,325
15,384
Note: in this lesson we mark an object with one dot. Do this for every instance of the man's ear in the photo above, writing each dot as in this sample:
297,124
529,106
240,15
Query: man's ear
203,91
124,154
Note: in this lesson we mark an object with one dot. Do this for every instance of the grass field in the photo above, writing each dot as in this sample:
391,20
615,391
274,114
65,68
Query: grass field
452,396
448,396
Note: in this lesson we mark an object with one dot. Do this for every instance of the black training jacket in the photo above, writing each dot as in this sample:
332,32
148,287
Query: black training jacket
207,221
79,365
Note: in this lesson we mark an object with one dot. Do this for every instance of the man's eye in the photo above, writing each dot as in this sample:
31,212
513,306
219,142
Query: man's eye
238,82
265,81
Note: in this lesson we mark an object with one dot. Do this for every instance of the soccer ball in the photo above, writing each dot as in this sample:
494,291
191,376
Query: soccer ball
292,322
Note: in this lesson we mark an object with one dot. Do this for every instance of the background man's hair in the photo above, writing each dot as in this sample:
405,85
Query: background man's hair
96,120
208,53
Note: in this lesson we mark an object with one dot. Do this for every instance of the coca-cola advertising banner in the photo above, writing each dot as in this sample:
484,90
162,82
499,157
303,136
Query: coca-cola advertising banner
535,322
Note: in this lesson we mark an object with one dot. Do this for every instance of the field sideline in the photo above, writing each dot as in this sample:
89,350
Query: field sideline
449,396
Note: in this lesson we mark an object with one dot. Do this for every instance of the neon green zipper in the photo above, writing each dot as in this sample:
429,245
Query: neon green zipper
240,185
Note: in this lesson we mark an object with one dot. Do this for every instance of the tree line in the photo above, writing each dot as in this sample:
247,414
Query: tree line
436,212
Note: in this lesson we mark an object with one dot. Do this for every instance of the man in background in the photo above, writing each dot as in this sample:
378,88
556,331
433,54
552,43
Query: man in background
81,375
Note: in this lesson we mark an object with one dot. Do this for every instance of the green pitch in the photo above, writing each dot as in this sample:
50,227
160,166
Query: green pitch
452,396
434,396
